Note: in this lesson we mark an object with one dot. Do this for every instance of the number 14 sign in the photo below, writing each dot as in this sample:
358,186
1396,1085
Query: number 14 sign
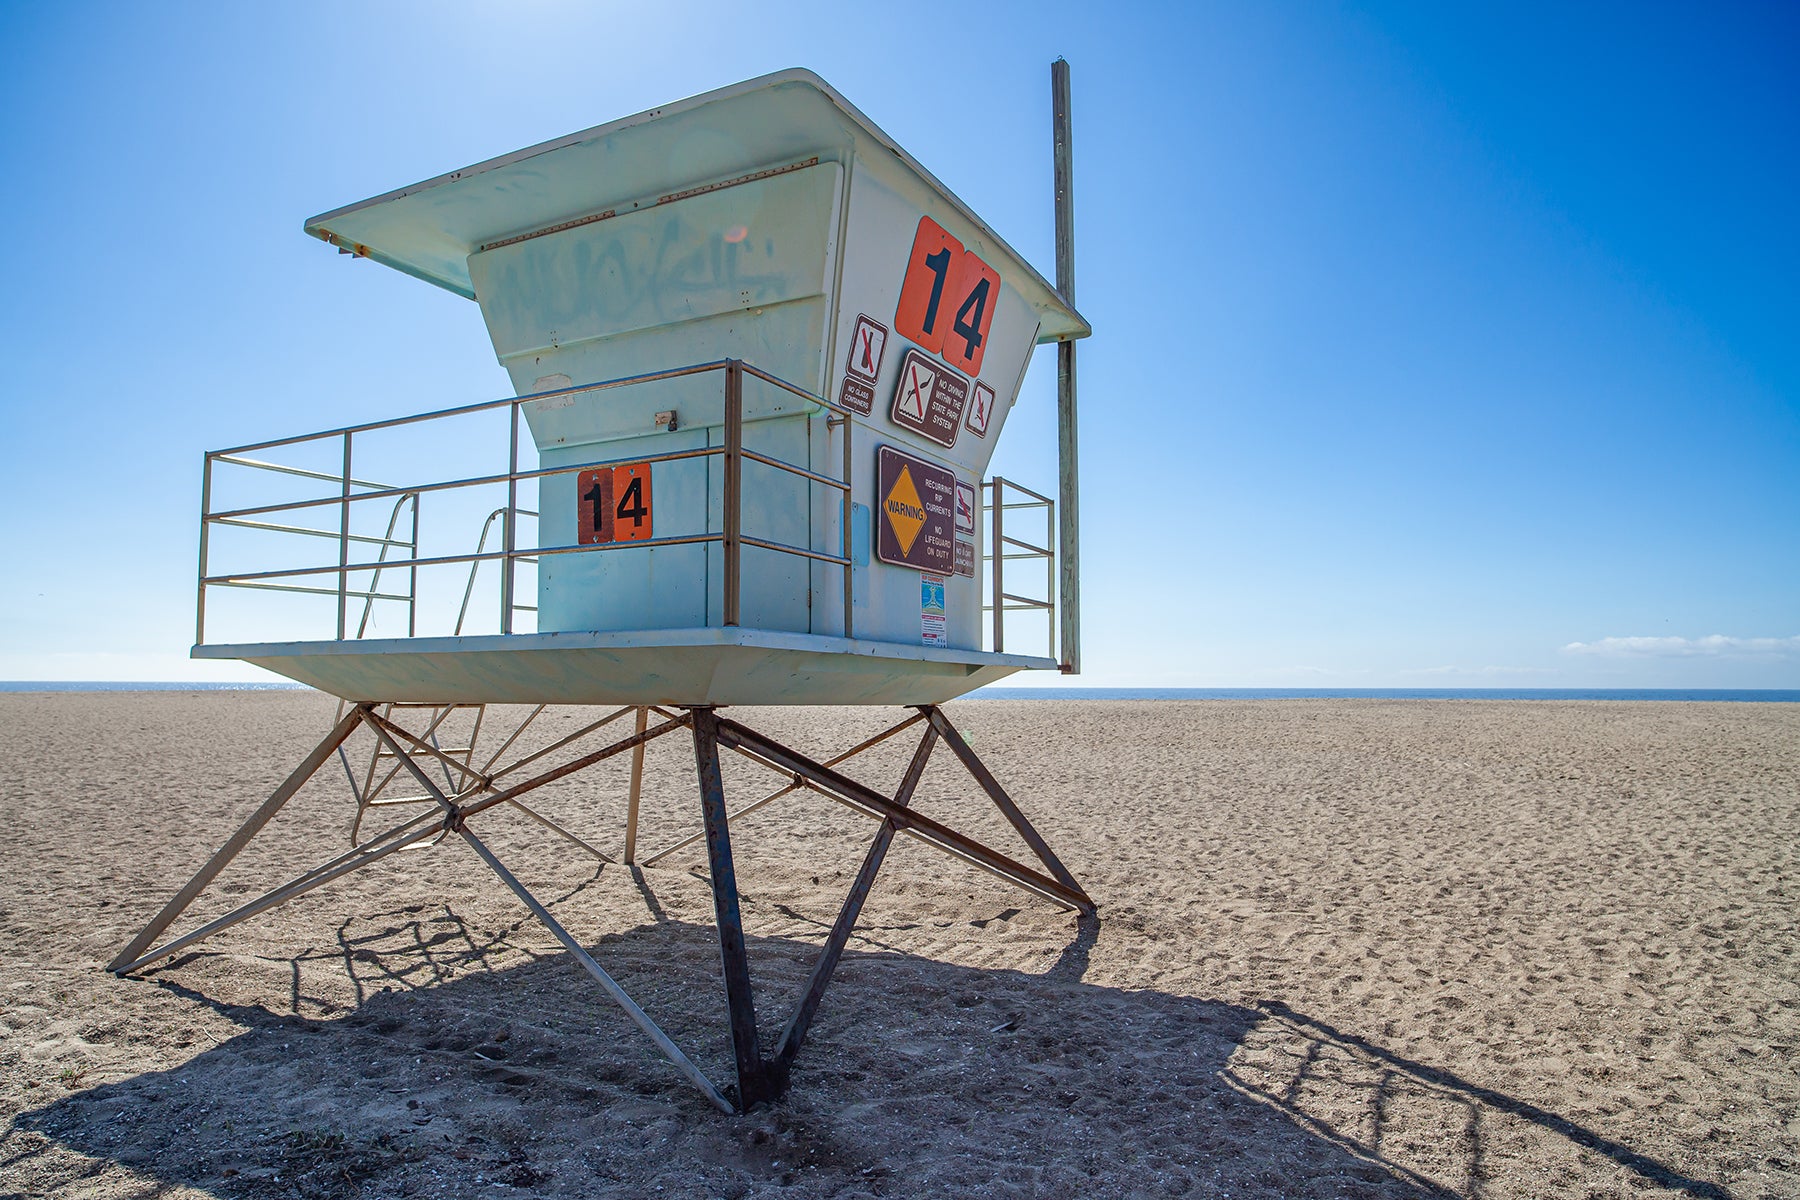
947,299
612,504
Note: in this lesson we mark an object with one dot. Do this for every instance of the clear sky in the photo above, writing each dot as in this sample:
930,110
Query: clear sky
1434,345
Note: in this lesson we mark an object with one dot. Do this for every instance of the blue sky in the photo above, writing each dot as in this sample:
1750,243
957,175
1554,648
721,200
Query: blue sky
1434,345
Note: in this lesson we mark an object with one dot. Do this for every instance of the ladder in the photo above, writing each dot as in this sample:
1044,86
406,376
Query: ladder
372,790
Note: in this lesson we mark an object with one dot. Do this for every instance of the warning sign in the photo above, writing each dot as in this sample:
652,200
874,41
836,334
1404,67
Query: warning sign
917,526
981,410
965,507
965,558
933,625
929,398
905,511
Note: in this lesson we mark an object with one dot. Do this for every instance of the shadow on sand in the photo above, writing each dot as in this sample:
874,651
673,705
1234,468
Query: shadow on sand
465,1071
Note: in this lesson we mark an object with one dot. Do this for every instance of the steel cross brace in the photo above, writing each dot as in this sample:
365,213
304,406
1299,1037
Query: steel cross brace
761,1077
451,816
1059,886
452,812
765,1077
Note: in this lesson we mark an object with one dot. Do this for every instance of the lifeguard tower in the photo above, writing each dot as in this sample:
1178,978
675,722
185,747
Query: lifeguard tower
761,360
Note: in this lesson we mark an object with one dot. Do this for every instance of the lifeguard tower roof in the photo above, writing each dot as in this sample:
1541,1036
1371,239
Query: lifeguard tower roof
430,229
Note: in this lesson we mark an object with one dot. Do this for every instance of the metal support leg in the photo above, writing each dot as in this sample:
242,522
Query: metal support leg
640,1018
309,766
759,1079
808,1007
1002,801
752,1074
394,839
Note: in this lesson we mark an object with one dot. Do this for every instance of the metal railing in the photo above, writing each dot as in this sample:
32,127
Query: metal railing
351,490
1003,547
487,526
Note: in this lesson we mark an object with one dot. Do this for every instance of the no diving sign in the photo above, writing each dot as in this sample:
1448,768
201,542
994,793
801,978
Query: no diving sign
918,518
929,398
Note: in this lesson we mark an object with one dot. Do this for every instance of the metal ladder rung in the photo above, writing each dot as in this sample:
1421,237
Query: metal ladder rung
384,752
454,760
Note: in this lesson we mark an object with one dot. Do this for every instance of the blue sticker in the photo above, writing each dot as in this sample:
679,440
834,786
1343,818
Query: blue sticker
931,596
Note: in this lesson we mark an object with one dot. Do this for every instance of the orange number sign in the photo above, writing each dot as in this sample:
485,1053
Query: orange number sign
612,504
631,509
594,507
947,298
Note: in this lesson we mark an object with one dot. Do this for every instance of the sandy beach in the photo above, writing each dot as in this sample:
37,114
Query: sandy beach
1344,948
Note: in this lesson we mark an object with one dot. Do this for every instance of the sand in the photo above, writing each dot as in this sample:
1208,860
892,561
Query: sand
1345,948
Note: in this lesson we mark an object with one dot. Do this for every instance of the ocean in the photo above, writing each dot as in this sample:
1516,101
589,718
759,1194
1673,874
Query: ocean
1080,693
1761,695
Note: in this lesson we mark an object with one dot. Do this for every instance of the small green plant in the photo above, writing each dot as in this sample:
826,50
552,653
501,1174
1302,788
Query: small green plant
70,1077
315,1140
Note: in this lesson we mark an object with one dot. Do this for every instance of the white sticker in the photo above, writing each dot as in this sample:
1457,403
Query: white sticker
933,627
552,383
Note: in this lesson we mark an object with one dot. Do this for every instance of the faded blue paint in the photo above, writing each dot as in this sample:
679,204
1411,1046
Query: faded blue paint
627,588
745,248
743,272
859,534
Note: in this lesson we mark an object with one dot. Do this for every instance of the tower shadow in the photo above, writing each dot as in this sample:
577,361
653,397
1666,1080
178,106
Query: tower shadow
456,1073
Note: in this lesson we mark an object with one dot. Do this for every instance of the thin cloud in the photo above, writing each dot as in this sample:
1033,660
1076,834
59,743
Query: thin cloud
1715,646
1319,672
1488,672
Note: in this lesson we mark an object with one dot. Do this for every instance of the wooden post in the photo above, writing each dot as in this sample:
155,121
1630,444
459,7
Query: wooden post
1068,474
637,787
